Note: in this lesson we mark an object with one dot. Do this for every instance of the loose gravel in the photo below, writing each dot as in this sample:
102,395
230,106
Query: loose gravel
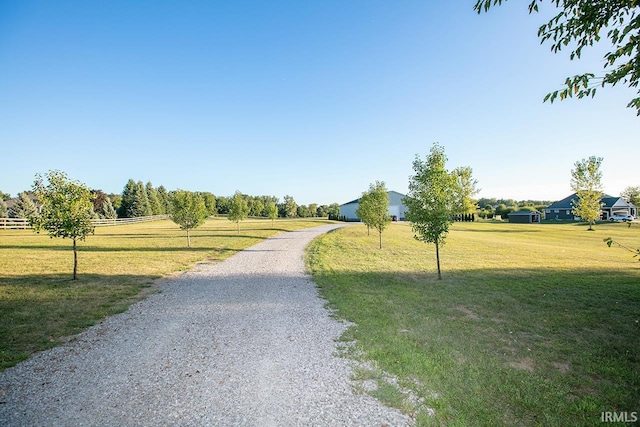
244,342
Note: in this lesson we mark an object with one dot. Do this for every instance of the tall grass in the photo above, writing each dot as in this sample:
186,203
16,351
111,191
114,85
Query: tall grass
40,305
531,324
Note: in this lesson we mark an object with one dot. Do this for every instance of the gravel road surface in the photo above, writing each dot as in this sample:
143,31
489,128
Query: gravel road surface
245,342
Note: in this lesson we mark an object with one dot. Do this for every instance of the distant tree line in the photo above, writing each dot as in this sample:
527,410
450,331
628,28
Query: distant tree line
138,200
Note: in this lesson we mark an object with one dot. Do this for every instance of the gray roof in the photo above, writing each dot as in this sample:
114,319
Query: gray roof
523,213
358,200
567,202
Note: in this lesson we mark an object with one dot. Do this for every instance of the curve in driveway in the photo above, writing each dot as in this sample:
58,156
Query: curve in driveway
243,342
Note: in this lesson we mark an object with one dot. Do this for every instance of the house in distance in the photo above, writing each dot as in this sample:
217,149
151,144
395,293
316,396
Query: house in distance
397,209
611,205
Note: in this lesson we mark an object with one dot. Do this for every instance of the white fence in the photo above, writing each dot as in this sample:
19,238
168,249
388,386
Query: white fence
23,223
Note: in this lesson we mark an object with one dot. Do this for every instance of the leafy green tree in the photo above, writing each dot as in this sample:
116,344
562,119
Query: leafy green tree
581,23
210,203
333,210
586,181
272,211
222,204
3,209
631,195
4,196
238,209
188,211
289,208
429,202
255,206
465,190
313,209
66,210
23,207
373,208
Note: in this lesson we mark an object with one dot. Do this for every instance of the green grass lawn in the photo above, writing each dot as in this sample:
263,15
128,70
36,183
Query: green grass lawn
532,324
40,305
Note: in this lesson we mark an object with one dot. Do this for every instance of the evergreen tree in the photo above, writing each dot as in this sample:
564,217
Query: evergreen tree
154,200
107,211
163,197
140,206
126,203
23,208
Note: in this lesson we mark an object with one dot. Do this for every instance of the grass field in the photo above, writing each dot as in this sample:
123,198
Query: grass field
40,305
531,324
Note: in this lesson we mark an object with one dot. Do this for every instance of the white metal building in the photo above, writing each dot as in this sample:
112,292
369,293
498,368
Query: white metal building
396,207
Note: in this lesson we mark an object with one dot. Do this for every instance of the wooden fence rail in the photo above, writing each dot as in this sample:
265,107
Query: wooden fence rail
23,223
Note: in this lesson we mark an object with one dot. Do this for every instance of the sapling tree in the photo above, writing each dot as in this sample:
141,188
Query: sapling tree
430,200
373,208
66,210
238,209
188,211
586,181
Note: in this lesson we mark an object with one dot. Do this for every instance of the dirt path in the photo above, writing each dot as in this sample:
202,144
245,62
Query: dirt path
243,342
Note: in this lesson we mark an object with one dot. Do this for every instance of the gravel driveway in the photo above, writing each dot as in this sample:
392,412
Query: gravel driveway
243,342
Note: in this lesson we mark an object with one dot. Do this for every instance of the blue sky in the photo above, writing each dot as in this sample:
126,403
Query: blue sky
313,99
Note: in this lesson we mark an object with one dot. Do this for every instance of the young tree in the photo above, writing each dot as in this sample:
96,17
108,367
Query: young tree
238,209
23,208
581,22
429,202
466,189
188,211
272,211
375,210
364,210
586,181
66,210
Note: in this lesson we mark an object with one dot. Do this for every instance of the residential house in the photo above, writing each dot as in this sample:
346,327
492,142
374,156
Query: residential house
611,205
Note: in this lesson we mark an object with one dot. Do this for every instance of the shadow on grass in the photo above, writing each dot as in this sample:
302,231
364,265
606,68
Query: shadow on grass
503,347
38,311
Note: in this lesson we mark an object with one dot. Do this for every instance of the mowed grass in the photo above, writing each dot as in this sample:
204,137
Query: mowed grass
40,306
531,324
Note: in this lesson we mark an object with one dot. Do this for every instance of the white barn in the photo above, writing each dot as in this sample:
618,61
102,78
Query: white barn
396,207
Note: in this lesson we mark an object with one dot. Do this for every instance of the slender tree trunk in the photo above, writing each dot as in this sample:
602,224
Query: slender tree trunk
238,225
188,239
438,260
75,260
380,233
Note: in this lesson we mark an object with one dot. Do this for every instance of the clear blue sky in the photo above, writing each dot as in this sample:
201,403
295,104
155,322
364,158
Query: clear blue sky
313,99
